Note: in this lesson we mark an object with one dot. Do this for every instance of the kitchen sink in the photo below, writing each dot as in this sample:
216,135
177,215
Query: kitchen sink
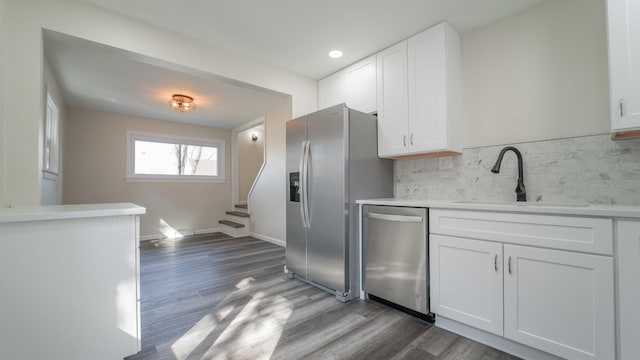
521,203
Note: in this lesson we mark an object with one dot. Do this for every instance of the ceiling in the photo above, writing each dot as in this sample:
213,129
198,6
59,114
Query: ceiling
103,78
296,35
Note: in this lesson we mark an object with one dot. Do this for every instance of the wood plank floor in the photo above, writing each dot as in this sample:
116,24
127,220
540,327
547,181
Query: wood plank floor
216,297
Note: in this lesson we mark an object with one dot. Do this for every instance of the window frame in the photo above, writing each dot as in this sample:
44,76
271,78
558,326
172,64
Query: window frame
51,138
133,136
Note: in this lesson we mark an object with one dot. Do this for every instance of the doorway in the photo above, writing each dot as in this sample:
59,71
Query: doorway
248,142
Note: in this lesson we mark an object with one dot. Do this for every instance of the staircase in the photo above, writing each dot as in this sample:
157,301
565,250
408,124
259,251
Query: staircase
236,222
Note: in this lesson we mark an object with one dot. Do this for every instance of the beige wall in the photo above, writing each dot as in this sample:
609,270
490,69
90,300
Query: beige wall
51,186
95,169
22,74
538,74
250,159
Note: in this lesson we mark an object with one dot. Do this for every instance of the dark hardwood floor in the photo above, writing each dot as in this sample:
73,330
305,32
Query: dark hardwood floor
216,297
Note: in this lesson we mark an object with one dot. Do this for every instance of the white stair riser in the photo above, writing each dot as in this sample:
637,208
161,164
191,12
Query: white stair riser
235,232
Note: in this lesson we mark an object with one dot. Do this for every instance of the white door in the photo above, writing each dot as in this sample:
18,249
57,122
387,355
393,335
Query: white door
392,100
466,281
560,302
360,79
427,91
624,63
331,90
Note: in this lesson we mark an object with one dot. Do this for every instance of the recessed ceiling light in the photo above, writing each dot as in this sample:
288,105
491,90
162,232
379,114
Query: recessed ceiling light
335,54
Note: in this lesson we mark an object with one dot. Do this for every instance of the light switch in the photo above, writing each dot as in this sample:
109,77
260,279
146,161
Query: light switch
445,163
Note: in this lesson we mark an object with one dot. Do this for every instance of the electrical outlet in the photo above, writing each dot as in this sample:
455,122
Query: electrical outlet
445,163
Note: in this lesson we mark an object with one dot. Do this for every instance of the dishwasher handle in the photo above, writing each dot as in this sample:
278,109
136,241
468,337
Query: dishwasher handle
396,218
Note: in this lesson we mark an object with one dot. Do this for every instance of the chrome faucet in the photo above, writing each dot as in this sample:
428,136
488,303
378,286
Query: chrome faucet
521,192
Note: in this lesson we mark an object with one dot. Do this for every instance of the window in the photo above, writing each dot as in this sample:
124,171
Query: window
171,158
50,158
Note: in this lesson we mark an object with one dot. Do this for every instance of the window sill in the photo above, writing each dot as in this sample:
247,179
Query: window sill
49,174
174,179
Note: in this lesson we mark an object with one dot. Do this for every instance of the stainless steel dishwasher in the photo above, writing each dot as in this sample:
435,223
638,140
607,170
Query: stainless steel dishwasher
396,262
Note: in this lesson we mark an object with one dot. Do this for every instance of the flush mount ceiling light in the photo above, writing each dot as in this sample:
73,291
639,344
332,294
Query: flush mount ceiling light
182,103
335,54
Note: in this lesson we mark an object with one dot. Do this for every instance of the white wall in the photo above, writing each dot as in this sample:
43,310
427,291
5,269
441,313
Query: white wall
23,72
268,199
3,32
51,186
250,159
538,74
95,170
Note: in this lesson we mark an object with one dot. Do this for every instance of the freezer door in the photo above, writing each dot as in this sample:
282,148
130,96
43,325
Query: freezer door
327,235
296,248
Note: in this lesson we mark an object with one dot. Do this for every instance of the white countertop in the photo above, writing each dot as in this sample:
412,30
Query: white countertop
59,212
612,211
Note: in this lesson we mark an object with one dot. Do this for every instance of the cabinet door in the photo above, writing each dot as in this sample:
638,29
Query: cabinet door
624,63
360,80
466,281
392,100
628,271
560,302
427,91
331,90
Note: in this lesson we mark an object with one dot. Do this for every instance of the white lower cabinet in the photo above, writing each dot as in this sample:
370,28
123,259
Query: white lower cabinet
557,301
466,281
628,275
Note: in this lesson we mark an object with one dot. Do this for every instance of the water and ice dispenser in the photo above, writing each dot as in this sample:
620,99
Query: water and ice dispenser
294,187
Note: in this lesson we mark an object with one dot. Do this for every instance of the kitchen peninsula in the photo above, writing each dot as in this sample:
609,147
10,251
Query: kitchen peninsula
70,281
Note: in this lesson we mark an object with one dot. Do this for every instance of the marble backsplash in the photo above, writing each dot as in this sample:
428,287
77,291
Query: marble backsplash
589,169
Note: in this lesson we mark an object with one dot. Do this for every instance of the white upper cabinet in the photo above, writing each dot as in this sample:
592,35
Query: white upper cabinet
419,95
355,86
360,85
331,90
393,113
624,67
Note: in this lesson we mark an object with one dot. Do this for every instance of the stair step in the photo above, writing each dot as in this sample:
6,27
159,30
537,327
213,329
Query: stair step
238,214
232,224
241,206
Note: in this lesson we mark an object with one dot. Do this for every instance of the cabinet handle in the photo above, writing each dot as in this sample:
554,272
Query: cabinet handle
509,264
621,104
495,262
404,140
411,141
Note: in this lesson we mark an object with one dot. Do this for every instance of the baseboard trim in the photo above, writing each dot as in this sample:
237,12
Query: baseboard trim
495,341
268,239
206,231
183,232
152,237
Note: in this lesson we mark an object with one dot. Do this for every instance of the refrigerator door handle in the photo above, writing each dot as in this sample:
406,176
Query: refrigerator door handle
301,188
305,194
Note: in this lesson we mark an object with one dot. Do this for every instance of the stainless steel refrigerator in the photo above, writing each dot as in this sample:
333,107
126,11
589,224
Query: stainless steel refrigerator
332,161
